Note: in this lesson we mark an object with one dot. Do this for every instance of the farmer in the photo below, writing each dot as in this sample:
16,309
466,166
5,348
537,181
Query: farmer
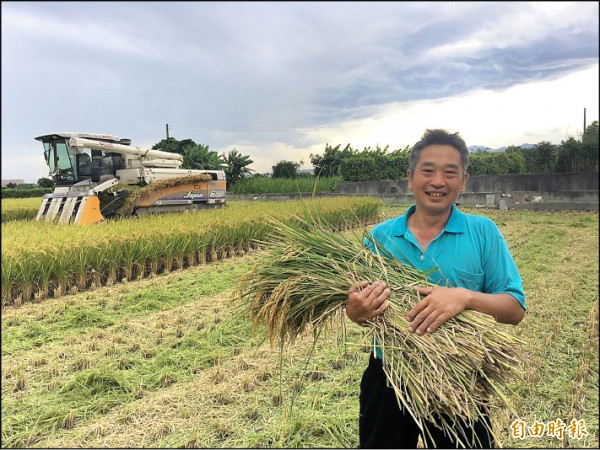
475,270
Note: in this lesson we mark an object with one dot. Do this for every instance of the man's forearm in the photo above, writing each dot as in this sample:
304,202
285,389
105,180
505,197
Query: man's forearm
503,307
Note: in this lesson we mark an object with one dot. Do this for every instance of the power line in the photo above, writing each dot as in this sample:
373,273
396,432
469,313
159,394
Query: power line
275,128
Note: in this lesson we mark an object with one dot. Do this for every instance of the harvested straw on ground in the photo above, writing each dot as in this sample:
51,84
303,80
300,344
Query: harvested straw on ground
304,281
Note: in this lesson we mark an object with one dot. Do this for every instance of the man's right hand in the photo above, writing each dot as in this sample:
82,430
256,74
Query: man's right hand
366,301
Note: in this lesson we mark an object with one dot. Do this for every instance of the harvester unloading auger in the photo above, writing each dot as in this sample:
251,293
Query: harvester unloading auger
94,175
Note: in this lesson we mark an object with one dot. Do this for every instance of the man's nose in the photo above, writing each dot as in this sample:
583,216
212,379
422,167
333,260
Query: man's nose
438,178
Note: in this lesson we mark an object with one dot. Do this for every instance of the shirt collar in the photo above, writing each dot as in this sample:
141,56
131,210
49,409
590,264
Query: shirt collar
456,222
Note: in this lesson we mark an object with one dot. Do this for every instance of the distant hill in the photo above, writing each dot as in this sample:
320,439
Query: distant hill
474,148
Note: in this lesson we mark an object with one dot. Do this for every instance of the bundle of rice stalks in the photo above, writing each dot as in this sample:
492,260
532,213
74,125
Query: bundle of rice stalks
111,203
132,196
451,373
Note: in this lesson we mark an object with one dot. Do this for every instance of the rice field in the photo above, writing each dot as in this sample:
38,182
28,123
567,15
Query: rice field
258,185
20,208
169,361
43,259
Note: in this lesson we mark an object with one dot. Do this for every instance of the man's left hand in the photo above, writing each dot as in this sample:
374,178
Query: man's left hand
439,305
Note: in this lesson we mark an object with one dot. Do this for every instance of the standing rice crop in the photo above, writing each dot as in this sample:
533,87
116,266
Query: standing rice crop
20,209
48,259
303,282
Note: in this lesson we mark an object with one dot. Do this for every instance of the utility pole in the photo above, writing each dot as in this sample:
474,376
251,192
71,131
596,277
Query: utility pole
167,132
583,120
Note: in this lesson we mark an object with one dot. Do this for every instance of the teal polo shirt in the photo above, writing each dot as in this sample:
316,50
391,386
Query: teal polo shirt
470,252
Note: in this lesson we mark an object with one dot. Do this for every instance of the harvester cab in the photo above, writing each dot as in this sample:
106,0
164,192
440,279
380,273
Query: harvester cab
95,176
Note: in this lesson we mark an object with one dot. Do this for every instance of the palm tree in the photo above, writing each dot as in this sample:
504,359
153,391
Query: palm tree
236,167
197,156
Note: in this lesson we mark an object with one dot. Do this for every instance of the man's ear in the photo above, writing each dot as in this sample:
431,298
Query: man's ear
409,177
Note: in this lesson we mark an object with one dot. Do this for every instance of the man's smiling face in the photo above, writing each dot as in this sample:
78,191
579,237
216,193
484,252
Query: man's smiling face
438,178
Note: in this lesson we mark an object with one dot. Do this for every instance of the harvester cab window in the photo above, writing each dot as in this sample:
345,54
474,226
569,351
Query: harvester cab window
59,161
84,165
104,161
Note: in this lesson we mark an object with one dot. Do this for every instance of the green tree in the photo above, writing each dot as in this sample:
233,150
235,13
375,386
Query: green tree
285,169
198,156
361,167
496,163
590,146
540,158
236,167
378,150
546,154
173,145
396,165
328,165
568,155
514,164
45,183
368,165
591,134
579,156
477,166
514,148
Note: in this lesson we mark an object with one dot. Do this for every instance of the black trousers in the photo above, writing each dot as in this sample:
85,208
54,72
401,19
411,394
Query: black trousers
383,424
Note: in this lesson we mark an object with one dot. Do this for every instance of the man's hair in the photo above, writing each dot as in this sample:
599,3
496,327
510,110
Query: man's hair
439,137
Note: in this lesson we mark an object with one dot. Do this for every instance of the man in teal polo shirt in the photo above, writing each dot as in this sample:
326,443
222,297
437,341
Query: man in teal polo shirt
473,270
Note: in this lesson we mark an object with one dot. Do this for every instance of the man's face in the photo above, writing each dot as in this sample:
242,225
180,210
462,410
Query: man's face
438,178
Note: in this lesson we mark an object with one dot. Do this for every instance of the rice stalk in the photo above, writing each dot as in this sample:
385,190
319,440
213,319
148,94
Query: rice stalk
303,282
133,196
10,279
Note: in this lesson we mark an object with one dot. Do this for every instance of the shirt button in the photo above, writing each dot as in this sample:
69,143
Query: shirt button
422,257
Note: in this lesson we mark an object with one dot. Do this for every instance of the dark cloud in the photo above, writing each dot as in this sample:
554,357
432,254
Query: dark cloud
403,75
263,71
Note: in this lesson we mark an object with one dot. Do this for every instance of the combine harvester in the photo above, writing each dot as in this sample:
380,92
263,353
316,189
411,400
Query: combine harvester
93,174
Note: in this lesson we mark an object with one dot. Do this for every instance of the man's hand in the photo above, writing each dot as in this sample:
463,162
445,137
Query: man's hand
439,305
366,301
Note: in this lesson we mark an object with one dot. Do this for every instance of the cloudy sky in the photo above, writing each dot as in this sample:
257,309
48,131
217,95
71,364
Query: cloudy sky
280,80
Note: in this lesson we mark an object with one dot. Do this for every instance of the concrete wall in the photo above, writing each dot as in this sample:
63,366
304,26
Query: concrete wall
490,183
540,191
385,187
535,182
